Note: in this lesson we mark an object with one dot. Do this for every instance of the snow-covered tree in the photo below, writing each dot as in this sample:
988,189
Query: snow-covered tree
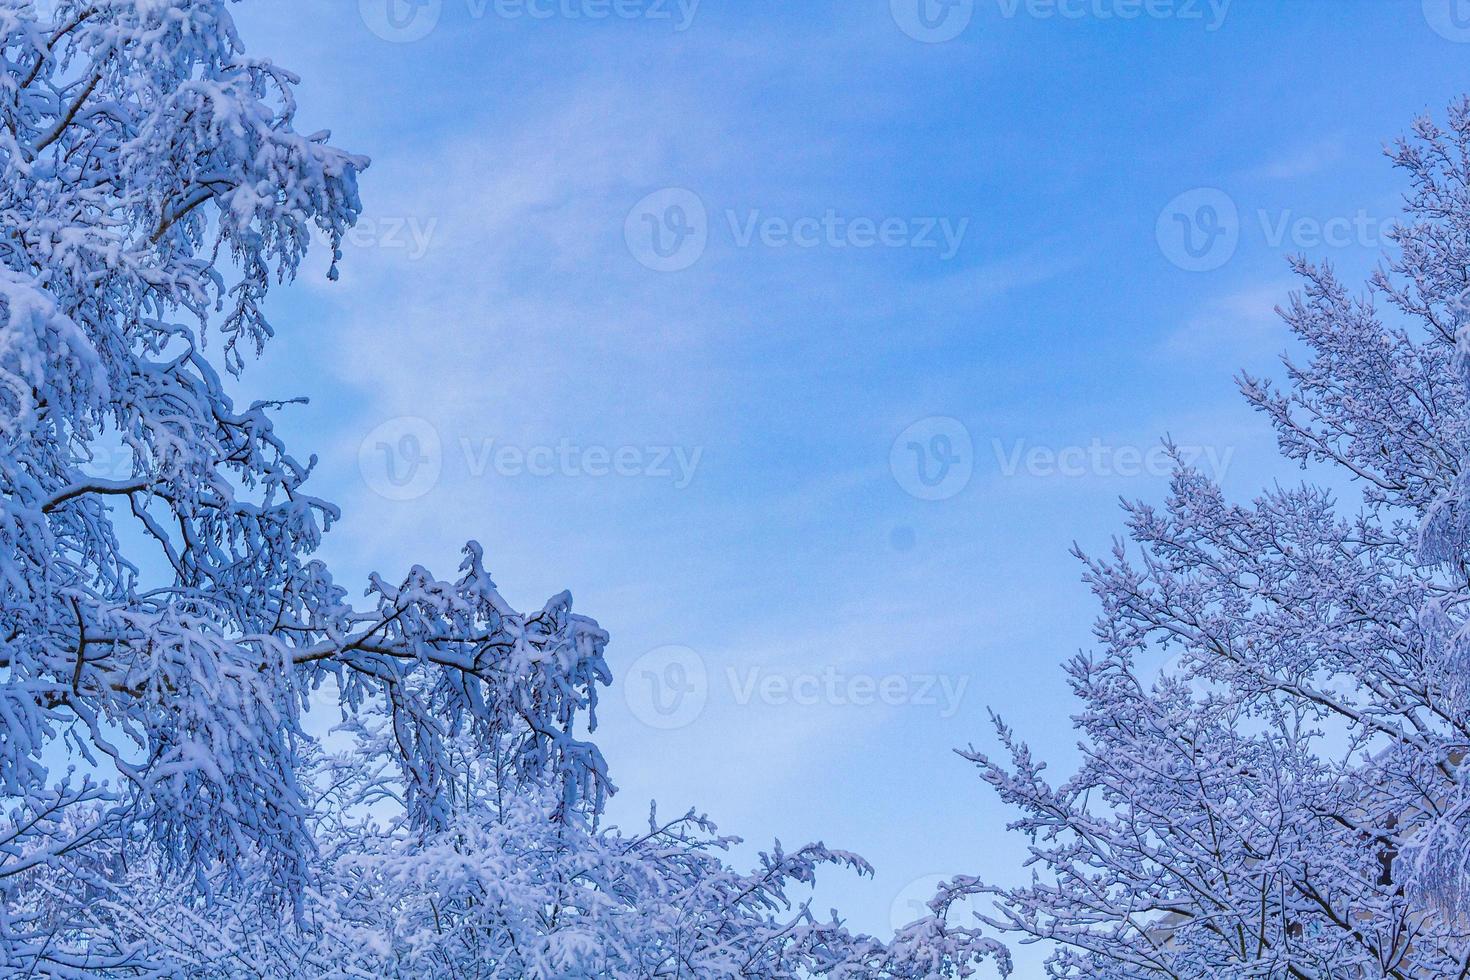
508,887
1294,800
153,188
164,626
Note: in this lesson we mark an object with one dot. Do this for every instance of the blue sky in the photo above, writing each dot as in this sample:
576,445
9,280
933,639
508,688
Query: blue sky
917,314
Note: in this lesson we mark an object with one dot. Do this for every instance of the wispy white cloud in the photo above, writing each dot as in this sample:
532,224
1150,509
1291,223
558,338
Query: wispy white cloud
1303,160
1233,322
